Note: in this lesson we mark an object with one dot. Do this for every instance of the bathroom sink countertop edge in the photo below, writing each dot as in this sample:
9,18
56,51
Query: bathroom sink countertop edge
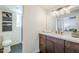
63,36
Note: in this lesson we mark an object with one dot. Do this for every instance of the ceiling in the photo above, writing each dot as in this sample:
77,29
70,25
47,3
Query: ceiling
52,7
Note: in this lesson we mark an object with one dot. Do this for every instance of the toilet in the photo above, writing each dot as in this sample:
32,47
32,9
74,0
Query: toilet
6,45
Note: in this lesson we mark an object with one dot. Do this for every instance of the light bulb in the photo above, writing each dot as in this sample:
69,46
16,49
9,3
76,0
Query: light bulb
57,13
64,11
67,10
61,12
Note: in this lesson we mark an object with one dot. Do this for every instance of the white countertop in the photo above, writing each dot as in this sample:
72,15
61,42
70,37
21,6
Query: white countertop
67,37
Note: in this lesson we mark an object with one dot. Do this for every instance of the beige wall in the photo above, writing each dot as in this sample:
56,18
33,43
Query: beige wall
34,22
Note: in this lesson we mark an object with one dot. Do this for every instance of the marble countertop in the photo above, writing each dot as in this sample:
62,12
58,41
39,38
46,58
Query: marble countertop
67,36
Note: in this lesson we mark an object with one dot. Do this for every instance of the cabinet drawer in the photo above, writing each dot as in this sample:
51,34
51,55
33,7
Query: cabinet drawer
59,46
50,46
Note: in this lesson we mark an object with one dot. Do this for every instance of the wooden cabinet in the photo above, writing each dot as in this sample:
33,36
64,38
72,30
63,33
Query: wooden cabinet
54,45
59,46
50,44
71,47
50,47
42,43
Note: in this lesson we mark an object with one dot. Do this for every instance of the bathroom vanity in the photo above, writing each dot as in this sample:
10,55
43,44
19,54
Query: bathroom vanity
56,43
66,36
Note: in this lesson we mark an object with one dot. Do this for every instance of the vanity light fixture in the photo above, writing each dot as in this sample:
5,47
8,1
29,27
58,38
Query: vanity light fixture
64,11
67,9
61,11
55,13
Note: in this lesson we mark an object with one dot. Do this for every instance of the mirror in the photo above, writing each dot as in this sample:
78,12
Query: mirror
69,23
63,23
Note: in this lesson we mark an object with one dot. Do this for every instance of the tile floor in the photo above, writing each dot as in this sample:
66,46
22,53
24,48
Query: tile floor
16,48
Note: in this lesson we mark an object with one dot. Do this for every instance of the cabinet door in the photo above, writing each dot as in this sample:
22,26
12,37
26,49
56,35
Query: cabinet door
71,47
42,43
54,45
50,47
59,46
50,44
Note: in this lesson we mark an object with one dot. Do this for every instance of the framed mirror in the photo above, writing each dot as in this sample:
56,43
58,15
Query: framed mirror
69,23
